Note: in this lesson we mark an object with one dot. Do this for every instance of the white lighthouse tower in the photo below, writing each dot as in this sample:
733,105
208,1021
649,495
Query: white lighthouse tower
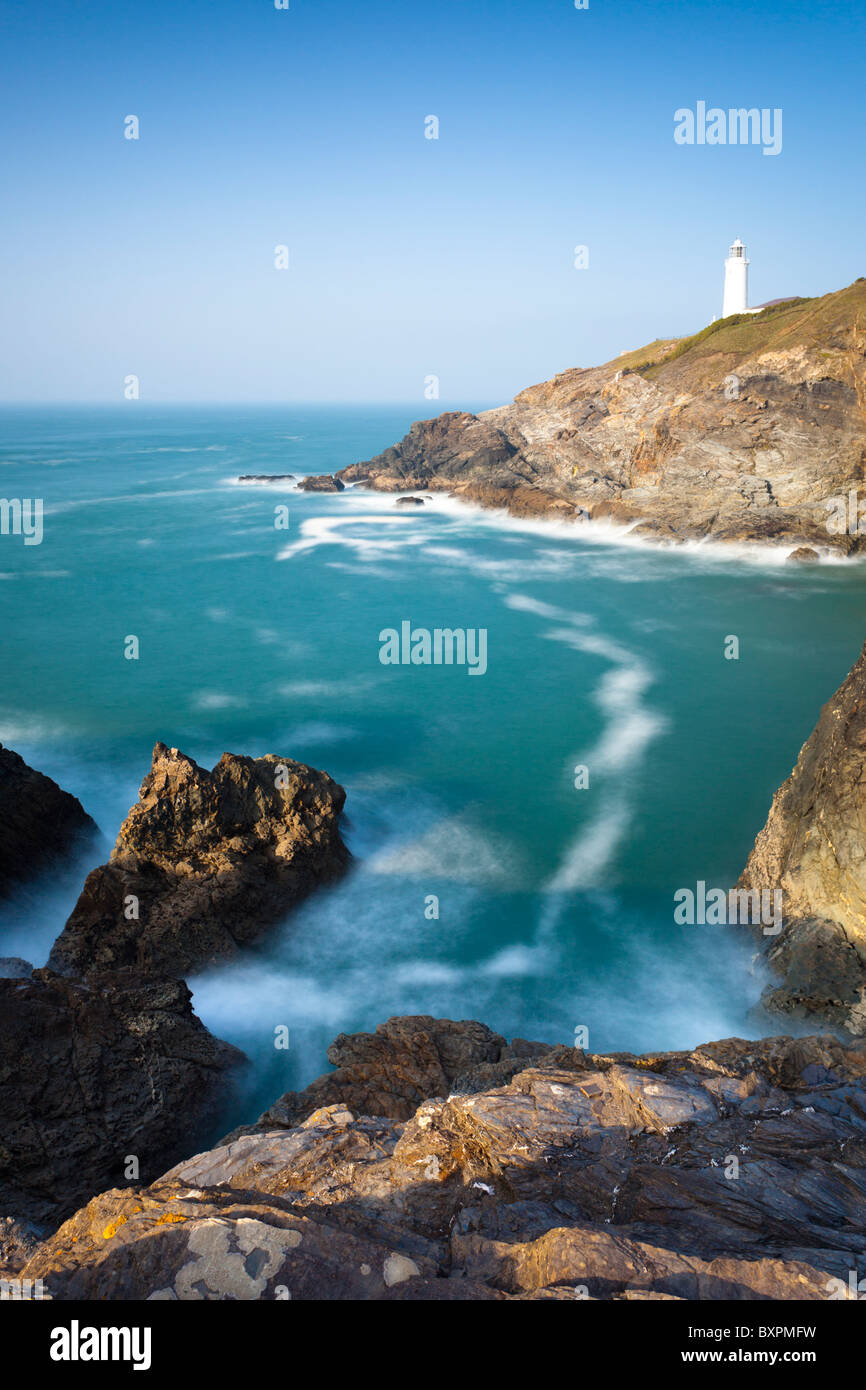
736,298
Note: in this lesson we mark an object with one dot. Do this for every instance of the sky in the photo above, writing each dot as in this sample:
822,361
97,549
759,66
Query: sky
408,257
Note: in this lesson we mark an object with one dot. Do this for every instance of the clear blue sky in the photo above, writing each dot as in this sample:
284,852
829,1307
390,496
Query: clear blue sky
408,256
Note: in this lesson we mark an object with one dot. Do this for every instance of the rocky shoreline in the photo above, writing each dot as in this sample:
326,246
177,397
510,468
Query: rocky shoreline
748,431
437,1160
497,1172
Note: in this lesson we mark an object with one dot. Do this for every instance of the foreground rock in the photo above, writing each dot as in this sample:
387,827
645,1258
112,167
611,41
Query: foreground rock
747,431
93,1074
203,863
737,1171
813,847
42,824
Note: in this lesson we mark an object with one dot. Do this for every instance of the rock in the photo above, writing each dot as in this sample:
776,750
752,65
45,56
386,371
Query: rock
92,1074
41,824
409,502
390,1072
747,431
321,482
266,478
14,968
813,847
711,1174
804,555
207,860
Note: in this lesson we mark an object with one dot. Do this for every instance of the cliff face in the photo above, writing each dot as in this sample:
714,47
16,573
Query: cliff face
813,846
744,432
41,822
538,1172
203,863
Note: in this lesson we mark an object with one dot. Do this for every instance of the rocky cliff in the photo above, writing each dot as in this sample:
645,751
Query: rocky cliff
813,847
736,1171
41,823
745,431
203,863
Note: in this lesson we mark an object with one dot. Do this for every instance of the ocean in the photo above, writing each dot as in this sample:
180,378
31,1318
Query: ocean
489,880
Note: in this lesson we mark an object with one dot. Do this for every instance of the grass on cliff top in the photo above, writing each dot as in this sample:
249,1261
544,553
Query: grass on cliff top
793,323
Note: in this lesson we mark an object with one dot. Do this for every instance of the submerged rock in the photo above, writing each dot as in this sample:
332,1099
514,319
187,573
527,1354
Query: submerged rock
204,863
712,1174
266,478
813,847
41,823
94,1075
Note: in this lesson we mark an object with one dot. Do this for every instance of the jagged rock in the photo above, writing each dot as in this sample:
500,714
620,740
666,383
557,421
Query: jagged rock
813,847
804,555
14,968
749,430
321,482
93,1073
41,823
736,1171
207,860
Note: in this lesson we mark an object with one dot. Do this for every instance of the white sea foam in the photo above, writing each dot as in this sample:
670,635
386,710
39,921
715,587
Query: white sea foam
216,699
331,530
453,850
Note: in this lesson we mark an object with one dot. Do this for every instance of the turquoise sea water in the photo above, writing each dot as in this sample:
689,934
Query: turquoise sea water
555,904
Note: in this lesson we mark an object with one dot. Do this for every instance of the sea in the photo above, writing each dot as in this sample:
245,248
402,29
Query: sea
518,834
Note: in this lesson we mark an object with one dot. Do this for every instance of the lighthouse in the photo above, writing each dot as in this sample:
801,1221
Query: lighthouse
736,298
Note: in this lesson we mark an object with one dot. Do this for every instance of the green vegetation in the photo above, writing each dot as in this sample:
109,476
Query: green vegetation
743,343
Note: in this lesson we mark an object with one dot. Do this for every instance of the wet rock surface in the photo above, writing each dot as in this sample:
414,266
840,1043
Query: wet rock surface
736,1171
204,863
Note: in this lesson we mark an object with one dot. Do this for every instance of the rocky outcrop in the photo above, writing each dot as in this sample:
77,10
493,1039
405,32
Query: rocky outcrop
203,863
42,824
753,429
736,1171
321,482
92,1075
813,847
407,1060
